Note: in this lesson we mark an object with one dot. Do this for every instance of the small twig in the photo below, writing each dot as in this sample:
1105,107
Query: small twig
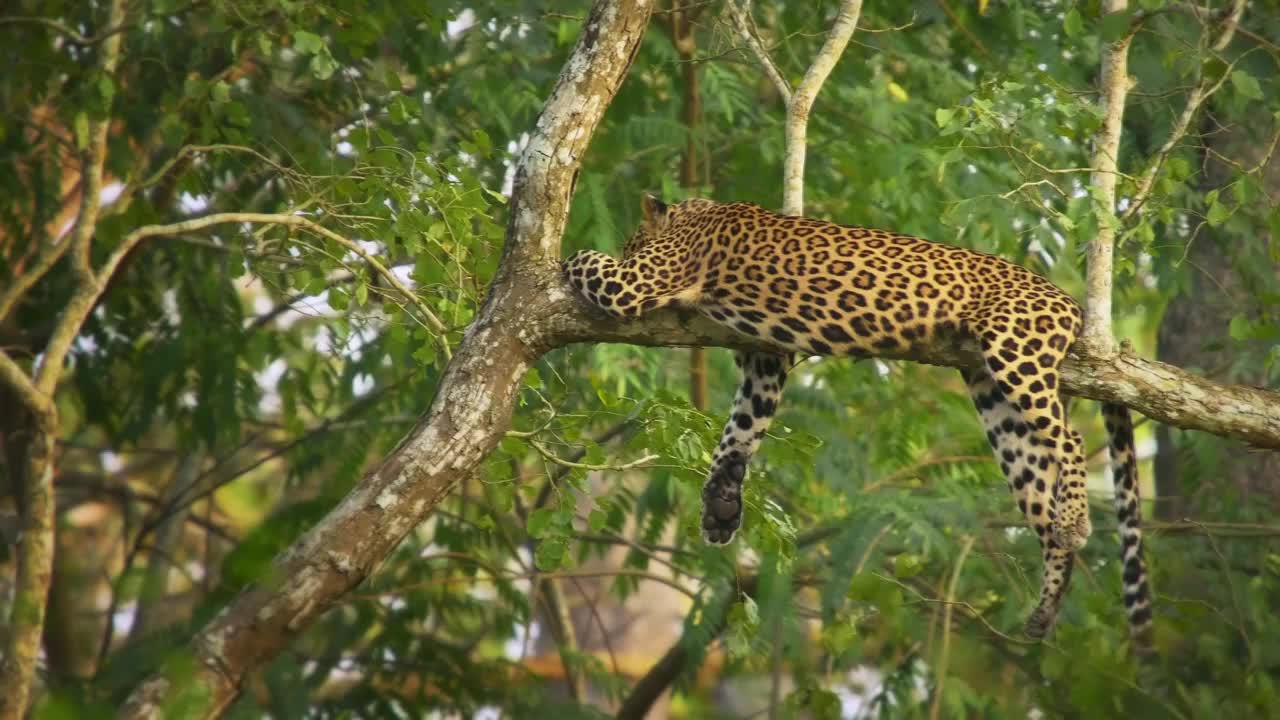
66,30
944,653
137,236
567,642
741,16
892,28
502,576
1201,92
973,612
544,452
593,608
1231,587
900,473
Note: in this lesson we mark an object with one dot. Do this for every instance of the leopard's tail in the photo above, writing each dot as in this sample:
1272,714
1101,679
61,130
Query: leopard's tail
1124,464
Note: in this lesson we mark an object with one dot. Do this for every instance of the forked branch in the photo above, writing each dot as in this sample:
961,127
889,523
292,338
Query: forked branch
799,101
1195,99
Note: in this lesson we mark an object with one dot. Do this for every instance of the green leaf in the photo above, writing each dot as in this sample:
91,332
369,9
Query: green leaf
1246,85
1273,563
81,124
550,554
1240,328
745,613
838,636
1213,69
541,522
306,42
220,92
1114,26
1178,168
813,702
237,114
323,65
339,299
484,145
502,495
907,565
1073,24
106,90
1218,213
596,520
943,116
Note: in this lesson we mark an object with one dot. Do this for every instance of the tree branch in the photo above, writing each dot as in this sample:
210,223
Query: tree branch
1160,391
13,376
667,670
87,296
168,537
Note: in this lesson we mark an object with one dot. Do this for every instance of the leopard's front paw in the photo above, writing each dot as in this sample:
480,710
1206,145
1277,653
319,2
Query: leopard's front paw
578,268
722,502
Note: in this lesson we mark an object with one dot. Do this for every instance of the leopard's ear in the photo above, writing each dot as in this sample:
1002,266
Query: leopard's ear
653,212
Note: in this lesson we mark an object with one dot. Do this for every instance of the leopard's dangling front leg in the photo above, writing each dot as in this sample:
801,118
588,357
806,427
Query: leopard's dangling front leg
763,375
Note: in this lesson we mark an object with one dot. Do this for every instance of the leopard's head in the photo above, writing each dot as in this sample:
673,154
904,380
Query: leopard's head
658,220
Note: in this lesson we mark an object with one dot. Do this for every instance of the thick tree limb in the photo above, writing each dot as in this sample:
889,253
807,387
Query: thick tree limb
471,412
1160,391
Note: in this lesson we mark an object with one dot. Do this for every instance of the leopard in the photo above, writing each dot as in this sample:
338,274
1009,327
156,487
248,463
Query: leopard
810,287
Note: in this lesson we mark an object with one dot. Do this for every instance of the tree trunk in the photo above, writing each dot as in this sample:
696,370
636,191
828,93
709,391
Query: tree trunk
679,25
1221,283
35,569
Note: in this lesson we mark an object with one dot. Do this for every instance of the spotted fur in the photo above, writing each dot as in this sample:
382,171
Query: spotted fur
815,287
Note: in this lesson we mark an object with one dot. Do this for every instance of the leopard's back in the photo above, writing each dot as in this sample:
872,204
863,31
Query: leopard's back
818,287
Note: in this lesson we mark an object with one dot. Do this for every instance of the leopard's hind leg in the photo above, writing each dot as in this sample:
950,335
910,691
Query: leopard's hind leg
1011,440
1022,355
763,375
